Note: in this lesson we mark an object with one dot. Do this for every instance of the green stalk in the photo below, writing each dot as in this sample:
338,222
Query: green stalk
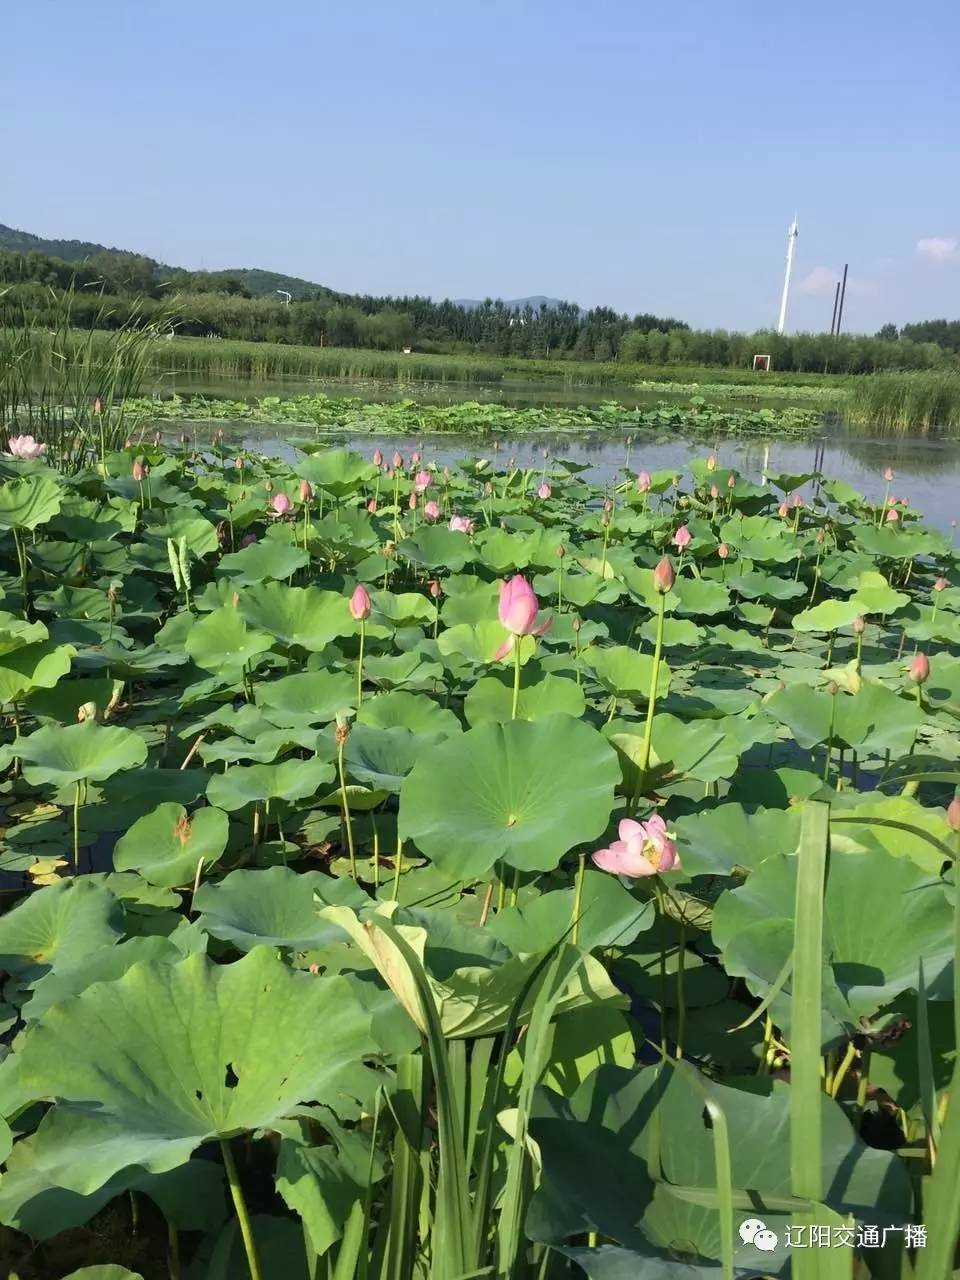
516,677
76,827
341,740
363,631
651,703
24,570
240,1206
578,898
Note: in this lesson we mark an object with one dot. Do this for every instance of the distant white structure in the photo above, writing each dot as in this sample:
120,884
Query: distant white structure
286,295
791,246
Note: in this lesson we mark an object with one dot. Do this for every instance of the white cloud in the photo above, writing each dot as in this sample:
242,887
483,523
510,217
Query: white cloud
939,248
821,282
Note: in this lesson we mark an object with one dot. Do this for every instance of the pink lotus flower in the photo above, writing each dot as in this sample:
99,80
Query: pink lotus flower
731,480
608,504
518,612
953,814
372,506
663,576
306,492
460,524
281,504
138,470
360,603
377,458
434,587
940,584
682,538
24,447
644,849
412,501
920,669
783,511
643,481
888,474
422,480
723,551
859,624
431,510
892,516
544,491
397,460
414,458
712,462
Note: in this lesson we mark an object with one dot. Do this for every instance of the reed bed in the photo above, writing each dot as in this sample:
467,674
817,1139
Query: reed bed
907,401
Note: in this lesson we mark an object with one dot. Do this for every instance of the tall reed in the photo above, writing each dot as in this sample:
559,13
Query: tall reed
906,401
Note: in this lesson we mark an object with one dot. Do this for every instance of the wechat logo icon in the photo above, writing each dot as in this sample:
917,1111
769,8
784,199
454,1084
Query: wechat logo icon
754,1231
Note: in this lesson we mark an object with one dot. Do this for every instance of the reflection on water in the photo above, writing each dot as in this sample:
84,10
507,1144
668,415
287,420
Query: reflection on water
926,471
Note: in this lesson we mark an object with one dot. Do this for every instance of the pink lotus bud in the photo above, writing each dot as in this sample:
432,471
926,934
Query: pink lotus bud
434,586
940,584
888,474
663,576
608,504
892,517
797,500
920,669
377,458
488,488
723,551
306,493
518,611
953,814
577,623
281,504
712,462
397,460
821,535
412,500
422,480
460,524
138,470
414,458
98,406
360,603
783,511
431,511
372,506
714,492
859,625
731,481
682,538
238,463
544,491
643,481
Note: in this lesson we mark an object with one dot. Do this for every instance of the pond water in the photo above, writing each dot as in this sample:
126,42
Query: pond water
926,468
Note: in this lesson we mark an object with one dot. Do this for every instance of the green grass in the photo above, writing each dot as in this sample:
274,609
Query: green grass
906,401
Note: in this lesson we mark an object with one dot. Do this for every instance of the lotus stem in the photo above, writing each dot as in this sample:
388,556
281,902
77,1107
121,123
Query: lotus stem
651,703
841,1072
173,1252
24,570
578,897
363,631
240,1206
341,740
833,712
397,869
376,855
76,827
516,677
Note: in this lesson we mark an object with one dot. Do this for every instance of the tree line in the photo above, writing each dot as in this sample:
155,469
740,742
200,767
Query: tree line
112,288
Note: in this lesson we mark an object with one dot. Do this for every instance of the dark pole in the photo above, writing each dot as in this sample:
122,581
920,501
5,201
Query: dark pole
836,299
843,294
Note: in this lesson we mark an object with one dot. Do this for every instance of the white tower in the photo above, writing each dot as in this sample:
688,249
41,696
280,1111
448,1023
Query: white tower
791,246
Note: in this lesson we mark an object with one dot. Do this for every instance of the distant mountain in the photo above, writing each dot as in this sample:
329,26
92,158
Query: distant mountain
256,280
536,300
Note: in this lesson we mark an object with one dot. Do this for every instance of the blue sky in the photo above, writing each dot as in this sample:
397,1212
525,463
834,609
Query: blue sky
645,155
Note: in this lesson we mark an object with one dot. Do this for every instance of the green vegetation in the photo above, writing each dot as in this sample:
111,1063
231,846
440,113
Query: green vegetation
918,401
415,873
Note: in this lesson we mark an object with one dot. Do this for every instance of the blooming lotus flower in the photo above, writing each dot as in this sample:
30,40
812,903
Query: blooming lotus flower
24,447
360,603
892,516
643,481
518,612
306,492
644,849
372,506
682,538
723,551
663,576
377,458
422,480
920,669
544,491
431,510
460,524
281,504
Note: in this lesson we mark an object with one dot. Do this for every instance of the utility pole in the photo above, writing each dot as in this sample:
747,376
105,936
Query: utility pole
792,234
843,294
836,299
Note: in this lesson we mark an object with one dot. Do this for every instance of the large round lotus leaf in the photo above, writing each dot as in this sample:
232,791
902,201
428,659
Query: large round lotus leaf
149,1067
700,596
610,916
882,916
140,790
167,846
29,502
754,584
475,603
621,1124
105,1271
262,561
304,616
480,641
627,673
829,615
876,718
436,547
897,824
63,701
309,697
59,925
223,640
382,758
413,711
274,907
88,750
874,594
251,784
338,471
540,695
676,631
408,609
526,792
700,749
34,666
503,552
715,841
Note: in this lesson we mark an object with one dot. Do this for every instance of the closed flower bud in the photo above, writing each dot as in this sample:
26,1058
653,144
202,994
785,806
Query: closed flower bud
360,603
859,625
953,814
920,669
306,492
663,576
723,551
